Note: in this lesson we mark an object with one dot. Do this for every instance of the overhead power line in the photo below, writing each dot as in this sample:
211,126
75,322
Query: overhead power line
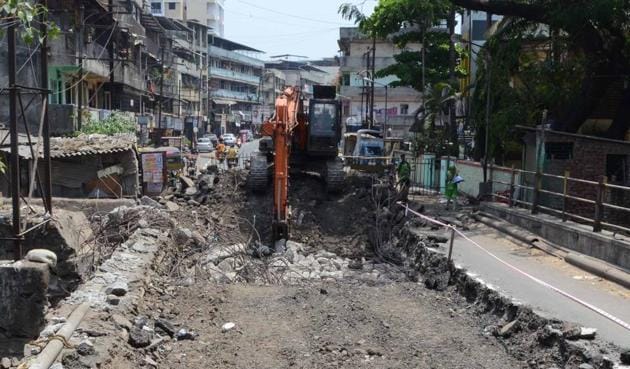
289,14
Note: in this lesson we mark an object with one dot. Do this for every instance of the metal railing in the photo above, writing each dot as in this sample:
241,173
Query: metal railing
219,53
235,95
233,75
567,195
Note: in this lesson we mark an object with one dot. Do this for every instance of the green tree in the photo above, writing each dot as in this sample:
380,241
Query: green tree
114,124
24,14
411,22
594,34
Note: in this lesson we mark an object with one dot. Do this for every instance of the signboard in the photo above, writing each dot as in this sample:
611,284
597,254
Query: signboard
173,141
153,172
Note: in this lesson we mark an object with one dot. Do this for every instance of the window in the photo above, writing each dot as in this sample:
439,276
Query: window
617,168
323,118
346,79
172,6
559,150
479,30
156,8
404,109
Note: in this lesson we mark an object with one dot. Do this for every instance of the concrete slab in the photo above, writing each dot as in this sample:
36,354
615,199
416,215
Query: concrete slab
23,302
607,246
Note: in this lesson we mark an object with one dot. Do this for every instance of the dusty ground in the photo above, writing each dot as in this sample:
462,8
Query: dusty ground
337,325
333,300
356,321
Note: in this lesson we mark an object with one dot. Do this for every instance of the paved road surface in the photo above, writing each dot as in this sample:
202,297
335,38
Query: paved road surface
244,153
608,296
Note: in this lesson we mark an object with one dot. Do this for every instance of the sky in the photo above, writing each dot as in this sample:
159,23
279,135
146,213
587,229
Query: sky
307,28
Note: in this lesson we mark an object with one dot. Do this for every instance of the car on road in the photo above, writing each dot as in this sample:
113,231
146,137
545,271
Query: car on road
213,138
204,145
229,139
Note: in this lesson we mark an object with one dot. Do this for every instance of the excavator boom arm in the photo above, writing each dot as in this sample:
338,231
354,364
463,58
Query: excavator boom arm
281,127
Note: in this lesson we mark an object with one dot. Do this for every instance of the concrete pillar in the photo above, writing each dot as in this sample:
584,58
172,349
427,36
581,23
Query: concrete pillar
23,302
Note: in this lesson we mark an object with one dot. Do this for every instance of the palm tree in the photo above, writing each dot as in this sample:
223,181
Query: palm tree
352,12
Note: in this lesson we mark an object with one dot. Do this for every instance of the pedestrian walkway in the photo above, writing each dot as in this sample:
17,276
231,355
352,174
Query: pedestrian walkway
605,295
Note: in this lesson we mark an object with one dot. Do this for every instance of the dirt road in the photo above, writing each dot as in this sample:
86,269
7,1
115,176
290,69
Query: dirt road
337,325
335,298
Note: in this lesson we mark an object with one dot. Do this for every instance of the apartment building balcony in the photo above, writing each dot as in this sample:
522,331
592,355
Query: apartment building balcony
219,53
234,76
185,66
189,94
394,94
235,95
358,63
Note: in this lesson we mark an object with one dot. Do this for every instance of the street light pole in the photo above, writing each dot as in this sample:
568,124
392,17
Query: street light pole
386,112
373,82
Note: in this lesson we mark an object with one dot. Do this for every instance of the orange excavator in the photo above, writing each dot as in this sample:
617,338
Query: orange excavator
297,140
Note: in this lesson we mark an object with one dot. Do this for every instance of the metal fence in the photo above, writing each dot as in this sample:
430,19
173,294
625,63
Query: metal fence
424,177
599,203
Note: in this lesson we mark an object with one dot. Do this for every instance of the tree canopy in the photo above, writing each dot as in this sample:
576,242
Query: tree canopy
563,56
591,47
410,22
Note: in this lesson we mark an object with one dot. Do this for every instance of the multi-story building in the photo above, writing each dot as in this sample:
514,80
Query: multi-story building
304,74
128,60
401,102
97,67
175,9
273,82
474,33
235,79
210,13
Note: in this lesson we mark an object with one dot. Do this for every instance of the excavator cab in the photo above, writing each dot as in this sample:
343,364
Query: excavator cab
324,129
324,122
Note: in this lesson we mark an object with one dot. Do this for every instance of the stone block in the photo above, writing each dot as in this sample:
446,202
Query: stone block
23,287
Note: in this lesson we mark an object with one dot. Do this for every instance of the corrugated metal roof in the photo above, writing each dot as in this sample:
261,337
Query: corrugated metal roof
68,147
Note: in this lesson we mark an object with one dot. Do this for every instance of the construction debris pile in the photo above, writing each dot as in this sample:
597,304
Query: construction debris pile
206,239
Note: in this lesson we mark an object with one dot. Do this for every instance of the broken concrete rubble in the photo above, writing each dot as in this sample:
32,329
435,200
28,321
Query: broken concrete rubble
203,248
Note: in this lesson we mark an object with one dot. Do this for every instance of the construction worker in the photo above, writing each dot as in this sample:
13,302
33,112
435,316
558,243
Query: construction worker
452,180
220,150
232,156
404,171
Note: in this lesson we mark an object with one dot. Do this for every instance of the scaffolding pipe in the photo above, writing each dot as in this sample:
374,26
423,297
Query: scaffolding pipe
48,355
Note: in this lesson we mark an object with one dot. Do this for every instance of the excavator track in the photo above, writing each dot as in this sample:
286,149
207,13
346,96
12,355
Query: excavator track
334,176
258,174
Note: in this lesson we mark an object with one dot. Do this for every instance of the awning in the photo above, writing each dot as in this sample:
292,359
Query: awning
224,102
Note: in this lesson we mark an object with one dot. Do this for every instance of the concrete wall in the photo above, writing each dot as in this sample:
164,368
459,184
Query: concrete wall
69,236
472,172
588,161
570,235
23,302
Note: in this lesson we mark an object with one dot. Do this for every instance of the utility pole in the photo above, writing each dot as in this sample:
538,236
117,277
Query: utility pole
15,160
373,76
47,188
208,61
200,93
486,150
452,78
110,49
79,50
161,87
